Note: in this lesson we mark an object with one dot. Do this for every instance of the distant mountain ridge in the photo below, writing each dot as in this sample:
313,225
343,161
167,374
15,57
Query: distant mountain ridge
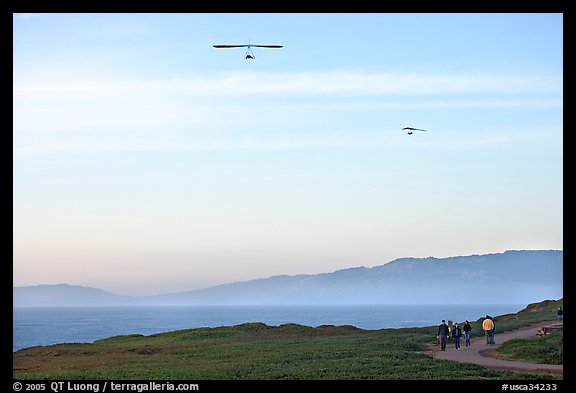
515,276
66,295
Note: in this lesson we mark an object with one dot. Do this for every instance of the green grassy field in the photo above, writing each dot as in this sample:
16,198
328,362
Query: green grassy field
257,351
547,349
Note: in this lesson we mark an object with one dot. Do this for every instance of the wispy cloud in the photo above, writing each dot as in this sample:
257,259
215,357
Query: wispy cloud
335,82
385,138
195,113
29,15
80,104
363,83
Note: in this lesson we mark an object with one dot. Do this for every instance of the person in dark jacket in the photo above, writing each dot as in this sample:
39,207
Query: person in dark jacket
493,329
467,330
456,334
443,334
560,314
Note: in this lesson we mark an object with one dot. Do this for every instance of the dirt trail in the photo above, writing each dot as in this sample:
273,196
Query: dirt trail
480,353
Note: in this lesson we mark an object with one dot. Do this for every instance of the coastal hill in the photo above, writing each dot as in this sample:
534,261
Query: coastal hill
254,351
516,276
60,295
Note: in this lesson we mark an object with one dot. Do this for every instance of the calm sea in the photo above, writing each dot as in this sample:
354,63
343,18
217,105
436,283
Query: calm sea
44,326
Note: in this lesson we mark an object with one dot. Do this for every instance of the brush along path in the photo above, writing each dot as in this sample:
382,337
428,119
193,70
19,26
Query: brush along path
484,355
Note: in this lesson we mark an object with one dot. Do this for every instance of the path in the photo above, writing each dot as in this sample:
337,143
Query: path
480,353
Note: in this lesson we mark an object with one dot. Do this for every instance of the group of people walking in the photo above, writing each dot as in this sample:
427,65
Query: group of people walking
449,331
455,332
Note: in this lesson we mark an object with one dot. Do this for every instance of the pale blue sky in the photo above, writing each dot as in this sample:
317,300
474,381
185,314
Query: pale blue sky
146,161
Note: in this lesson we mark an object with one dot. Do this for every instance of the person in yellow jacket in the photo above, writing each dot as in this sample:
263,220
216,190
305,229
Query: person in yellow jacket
488,327
450,327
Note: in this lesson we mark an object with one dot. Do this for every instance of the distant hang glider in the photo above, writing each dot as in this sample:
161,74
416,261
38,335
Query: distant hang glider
410,129
249,53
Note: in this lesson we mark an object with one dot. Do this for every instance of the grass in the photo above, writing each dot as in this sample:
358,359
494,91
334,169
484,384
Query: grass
532,314
258,351
548,349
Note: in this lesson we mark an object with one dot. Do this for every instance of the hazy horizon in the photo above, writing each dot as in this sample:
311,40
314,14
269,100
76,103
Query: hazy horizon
248,279
146,161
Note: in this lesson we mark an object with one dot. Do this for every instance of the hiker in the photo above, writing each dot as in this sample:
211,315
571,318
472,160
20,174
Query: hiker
443,335
456,334
488,326
560,314
450,327
493,328
467,330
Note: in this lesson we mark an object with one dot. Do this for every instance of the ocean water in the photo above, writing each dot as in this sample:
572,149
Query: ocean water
34,326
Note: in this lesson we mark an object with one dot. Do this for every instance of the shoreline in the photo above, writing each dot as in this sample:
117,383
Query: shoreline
127,320
261,351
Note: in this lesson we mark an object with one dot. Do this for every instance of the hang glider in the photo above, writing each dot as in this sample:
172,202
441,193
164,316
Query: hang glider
410,129
249,53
